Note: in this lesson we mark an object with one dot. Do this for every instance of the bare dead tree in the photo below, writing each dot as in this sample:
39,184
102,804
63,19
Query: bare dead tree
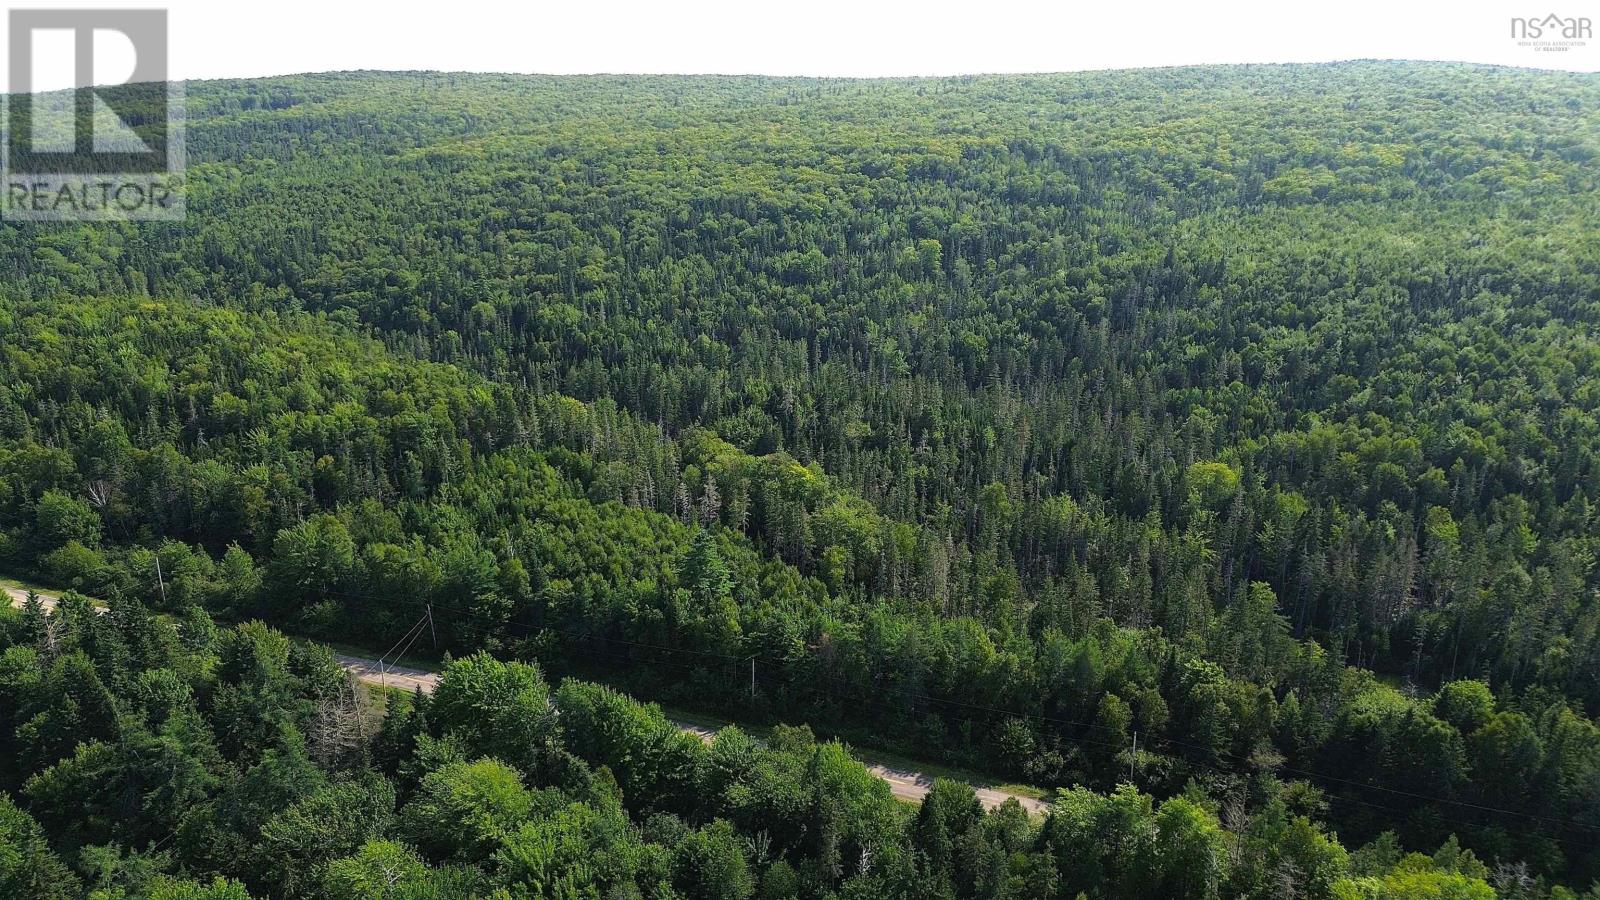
341,723
99,493
49,625
1288,881
710,501
1512,880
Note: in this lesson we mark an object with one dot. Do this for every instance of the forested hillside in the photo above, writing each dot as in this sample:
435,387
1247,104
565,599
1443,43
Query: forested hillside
1251,411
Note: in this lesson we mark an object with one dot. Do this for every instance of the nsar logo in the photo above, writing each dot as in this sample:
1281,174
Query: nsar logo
1552,33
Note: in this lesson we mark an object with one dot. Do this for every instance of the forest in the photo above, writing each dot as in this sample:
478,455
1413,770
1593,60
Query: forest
1215,448
148,745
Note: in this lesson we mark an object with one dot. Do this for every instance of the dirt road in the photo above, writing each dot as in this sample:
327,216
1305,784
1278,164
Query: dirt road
907,784
370,672
19,596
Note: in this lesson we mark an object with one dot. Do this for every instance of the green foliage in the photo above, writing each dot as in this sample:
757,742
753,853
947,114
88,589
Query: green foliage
384,870
211,810
334,821
494,708
60,519
1000,418
28,868
219,889
710,863
464,810
704,573
1467,705
1212,483
656,764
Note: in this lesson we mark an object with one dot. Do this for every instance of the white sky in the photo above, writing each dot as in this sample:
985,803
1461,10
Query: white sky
247,38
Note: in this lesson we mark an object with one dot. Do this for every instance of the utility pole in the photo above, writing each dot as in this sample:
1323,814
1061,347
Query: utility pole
752,676
1133,757
161,582
397,651
431,632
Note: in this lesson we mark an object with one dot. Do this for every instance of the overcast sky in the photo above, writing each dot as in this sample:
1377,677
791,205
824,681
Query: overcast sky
246,38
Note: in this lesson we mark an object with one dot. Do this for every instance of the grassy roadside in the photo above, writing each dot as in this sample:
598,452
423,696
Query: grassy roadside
956,773
19,584
408,660
381,698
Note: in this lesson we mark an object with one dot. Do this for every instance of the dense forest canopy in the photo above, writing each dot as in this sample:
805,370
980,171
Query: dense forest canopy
175,760
1254,411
